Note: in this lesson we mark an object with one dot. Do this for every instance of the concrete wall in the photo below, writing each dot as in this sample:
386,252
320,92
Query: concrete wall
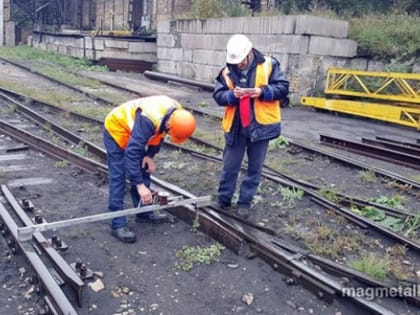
305,46
95,48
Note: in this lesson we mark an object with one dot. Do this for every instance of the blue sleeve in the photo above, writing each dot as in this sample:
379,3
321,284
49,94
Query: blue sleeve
152,150
278,85
135,151
222,94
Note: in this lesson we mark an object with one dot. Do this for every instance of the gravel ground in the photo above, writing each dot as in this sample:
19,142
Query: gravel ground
143,278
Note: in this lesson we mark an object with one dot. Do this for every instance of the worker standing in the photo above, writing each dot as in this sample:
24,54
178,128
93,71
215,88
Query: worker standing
250,87
132,134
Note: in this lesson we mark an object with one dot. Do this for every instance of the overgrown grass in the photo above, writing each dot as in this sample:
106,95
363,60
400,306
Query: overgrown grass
393,37
377,267
35,54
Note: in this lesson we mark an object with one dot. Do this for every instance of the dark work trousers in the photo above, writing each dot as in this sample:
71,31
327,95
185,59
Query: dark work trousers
232,159
117,183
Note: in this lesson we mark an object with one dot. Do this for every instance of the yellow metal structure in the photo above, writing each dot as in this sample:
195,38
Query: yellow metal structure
388,96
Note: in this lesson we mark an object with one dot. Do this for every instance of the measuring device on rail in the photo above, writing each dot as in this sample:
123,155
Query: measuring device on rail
162,201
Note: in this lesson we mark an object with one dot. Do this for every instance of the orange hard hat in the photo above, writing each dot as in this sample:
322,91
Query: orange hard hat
181,125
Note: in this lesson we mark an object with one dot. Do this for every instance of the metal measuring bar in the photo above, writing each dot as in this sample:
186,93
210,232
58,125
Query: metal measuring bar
25,233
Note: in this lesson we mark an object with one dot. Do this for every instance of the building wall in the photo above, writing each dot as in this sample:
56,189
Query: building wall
112,15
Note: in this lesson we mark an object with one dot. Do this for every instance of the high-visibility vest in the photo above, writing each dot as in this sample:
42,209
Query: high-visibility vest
266,112
120,121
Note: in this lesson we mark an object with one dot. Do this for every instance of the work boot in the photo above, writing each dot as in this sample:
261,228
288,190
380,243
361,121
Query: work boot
153,217
243,212
124,234
223,206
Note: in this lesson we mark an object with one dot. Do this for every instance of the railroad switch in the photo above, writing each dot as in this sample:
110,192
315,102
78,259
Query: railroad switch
58,279
27,205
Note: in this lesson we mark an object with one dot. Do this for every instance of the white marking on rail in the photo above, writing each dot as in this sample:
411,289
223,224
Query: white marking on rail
13,168
30,181
11,157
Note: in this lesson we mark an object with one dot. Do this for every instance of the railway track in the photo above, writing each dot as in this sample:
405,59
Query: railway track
275,256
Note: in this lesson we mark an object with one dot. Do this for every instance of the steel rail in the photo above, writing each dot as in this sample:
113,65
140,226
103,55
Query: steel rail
31,114
55,109
47,279
353,162
322,285
231,237
372,151
167,77
53,151
348,214
62,266
410,144
392,146
280,263
341,270
99,99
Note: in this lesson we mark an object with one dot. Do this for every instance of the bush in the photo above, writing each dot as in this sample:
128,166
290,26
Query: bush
387,37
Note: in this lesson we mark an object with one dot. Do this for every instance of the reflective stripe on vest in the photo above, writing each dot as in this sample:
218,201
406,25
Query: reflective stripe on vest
266,112
120,121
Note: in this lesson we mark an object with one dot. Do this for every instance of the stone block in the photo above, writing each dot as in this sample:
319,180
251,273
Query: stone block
164,53
119,44
280,44
316,25
327,46
136,47
166,40
163,26
209,57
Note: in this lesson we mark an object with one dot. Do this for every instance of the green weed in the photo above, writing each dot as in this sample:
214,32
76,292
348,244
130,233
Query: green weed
367,176
377,267
191,256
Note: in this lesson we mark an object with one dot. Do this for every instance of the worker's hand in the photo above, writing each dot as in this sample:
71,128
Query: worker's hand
145,194
239,92
148,164
251,92
255,93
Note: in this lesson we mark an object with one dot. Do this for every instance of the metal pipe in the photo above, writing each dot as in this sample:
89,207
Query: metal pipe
166,77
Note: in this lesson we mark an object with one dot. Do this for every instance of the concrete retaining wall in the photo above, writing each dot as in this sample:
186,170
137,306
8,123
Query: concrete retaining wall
95,48
305,46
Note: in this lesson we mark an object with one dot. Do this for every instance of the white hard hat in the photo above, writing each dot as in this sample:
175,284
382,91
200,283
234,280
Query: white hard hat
238,47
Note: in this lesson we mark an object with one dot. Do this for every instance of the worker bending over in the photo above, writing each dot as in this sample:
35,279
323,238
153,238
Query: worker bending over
132,134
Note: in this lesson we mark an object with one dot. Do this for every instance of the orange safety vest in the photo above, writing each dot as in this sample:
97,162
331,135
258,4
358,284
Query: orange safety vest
120,121
266,112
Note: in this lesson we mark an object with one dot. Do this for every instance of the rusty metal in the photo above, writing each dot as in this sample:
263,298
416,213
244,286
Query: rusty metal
392,146
51,150
31,114
71,87
322,285
410,144
166,77
50,284
128,65
372,151
61,265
